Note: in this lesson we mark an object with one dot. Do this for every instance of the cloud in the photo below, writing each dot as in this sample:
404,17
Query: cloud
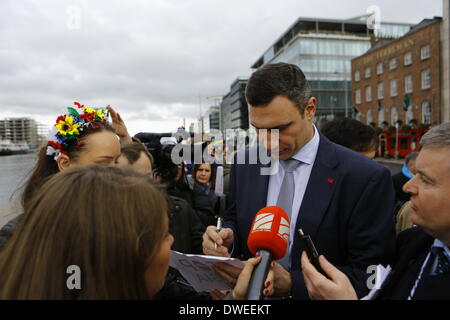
149,59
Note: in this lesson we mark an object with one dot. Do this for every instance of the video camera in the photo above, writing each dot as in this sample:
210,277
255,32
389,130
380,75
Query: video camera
161,145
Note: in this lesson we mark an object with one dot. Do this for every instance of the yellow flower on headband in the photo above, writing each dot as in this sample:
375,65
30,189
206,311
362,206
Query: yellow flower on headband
67,127
101,114
88,110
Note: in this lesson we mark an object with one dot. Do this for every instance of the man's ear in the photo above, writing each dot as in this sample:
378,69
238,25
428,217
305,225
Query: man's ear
310,110
63,162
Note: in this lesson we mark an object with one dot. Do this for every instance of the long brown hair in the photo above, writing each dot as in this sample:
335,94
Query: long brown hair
108,221
46,166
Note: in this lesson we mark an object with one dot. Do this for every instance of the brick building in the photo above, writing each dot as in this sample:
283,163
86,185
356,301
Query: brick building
400,79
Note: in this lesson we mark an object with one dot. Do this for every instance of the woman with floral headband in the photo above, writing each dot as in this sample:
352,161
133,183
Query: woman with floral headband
83,136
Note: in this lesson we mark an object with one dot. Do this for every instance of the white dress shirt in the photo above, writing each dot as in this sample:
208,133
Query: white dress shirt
307,156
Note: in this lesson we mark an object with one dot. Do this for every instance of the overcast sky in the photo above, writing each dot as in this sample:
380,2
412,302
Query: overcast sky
150,59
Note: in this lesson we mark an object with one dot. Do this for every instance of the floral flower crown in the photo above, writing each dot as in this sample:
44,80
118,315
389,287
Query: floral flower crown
69,127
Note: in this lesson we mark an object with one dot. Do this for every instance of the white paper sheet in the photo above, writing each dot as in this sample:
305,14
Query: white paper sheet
198,270
381,275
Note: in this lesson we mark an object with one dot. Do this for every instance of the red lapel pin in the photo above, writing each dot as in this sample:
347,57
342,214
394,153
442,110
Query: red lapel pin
330,180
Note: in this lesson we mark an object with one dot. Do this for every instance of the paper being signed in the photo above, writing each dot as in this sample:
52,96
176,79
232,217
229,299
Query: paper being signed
198,270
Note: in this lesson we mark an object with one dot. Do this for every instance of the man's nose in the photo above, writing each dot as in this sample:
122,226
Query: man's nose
409,186
270,139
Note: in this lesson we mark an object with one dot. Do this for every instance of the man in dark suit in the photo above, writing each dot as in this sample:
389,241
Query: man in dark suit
342,199
421,269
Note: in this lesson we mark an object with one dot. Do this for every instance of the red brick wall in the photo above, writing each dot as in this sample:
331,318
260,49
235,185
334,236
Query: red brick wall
413,42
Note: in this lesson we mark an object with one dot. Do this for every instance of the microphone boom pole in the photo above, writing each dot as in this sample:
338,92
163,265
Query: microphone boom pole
259,275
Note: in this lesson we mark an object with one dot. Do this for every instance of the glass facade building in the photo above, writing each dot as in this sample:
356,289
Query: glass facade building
323,49
234,109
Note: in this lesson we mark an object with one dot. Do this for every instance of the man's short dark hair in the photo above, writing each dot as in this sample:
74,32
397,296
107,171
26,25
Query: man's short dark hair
352,134
411,157
132,152
280,79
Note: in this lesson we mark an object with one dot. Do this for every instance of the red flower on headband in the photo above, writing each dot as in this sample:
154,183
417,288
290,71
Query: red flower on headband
60,118
79,105
88,117
55,145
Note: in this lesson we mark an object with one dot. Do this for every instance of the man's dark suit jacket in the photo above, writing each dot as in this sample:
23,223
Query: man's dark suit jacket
413,246
399,181
347,209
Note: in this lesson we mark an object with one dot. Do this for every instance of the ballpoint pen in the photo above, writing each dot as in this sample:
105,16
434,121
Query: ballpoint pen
218,228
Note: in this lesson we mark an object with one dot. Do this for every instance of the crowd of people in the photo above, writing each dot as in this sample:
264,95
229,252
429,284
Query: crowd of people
95,200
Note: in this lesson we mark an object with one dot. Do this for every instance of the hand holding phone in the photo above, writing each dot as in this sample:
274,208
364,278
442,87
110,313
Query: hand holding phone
311,250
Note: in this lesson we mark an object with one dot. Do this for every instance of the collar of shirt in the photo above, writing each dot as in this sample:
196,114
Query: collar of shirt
308,153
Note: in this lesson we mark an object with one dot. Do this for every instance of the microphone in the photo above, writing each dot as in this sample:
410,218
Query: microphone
268,238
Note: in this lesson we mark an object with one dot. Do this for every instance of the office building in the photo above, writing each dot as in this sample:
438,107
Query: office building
234,109
19,130
323,49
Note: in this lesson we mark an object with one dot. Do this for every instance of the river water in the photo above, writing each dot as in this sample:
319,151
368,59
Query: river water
15,169
13,172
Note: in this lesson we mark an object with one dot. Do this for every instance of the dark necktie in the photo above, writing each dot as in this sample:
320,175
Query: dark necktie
437,264
286,197
440,264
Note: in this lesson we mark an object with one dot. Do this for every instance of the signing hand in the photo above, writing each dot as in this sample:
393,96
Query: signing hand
321,288
223,239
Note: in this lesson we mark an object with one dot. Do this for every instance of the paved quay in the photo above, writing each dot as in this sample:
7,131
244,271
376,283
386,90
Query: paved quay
9,213
393,165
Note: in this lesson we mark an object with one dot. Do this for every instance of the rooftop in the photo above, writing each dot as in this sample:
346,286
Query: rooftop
356,26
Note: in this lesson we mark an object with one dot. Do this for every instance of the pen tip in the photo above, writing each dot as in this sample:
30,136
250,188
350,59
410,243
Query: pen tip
301,232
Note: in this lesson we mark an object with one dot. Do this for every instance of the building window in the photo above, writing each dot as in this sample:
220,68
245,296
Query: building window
426,79
425,52
380,114
394,115
358,96
407,58
394,88
393,64
367,73
409,83
357,76
380,90
409,115
369,117
379,68
368,93
426,112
